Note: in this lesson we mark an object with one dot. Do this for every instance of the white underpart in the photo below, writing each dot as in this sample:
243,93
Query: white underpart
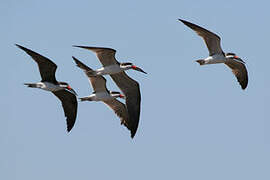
101,96
48,86
215,59
112,69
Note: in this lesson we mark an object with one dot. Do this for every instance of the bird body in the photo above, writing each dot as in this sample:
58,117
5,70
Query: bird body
47,86
214,59
216,54
100,96
61,90
108,70
110,65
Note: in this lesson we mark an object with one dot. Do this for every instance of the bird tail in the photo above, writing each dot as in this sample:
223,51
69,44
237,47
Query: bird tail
32,85
86,99
200,61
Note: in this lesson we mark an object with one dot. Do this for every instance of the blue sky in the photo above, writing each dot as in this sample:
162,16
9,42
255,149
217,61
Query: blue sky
196,122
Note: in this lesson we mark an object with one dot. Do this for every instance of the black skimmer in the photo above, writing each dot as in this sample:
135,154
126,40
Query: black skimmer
62,90
110,64
216,54
101,93
128,86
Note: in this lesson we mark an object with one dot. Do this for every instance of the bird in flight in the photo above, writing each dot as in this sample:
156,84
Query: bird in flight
128,86
101,93
110,65
61,90
216,54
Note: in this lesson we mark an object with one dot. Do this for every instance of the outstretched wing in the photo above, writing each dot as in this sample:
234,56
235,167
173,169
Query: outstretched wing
120,110
98,82
46,67
70,104
211,39
105,55
239,70
131,89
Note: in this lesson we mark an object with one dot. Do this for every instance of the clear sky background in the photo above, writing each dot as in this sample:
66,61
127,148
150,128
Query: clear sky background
196,122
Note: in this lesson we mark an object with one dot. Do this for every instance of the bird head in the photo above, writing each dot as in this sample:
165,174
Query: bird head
234,57
117,94
66,86
131,66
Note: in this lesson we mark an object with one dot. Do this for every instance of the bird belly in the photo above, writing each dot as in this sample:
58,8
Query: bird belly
102,96
112,69
215,59
47,86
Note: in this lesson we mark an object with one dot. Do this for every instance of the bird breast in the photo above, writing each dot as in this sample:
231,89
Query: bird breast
49,86
112,69
215,59
102,96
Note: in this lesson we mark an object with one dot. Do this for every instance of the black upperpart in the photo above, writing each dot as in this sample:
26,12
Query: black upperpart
114,92
63,83
230,54
126,64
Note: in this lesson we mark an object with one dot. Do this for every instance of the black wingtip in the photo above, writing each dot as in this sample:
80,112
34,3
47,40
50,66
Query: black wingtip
24,49
186,22
83,47
78,46
69,129
133,132
76,61
183,21
19,46
244,87
132,135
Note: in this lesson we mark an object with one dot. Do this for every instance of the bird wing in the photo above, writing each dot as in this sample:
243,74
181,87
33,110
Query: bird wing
131,89
105,55
239,70
70,104
211,39
120,110
47,68
98,82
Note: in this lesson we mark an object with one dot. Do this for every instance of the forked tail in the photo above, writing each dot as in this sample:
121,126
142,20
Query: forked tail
201,61
32,85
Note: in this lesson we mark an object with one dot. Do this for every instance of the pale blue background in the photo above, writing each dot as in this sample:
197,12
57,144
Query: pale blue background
196,122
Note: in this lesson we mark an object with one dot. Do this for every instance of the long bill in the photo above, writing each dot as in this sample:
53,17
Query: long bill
138,69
